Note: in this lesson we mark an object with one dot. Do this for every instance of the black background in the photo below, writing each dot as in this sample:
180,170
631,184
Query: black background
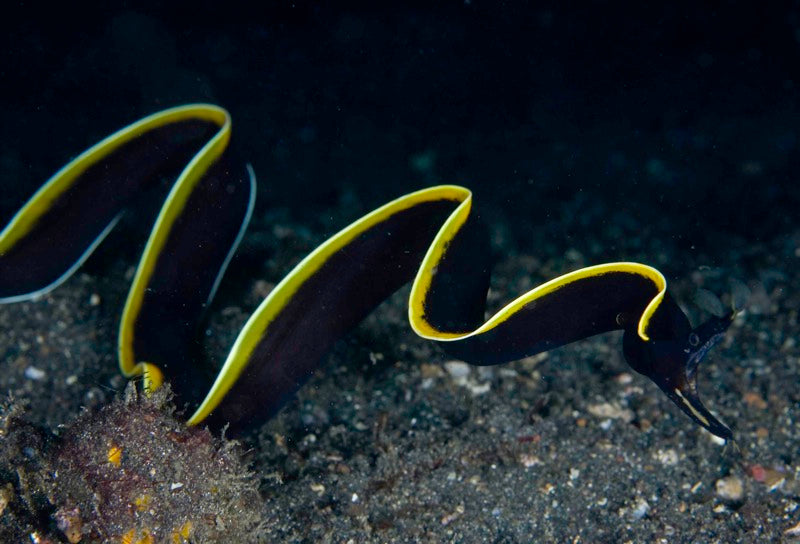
679,122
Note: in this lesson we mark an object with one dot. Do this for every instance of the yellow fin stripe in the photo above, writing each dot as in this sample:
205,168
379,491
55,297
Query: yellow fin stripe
170,211
424,329
258,323
256,326
24,220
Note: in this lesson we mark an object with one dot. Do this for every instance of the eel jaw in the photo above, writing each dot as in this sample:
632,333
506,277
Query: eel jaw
685,396
682,388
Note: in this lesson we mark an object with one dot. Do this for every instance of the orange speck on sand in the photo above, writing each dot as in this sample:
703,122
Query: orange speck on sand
758,473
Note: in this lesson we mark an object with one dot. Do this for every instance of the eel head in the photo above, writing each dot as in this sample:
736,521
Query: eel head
672,362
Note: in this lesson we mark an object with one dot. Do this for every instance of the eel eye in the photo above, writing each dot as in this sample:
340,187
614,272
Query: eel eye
694,340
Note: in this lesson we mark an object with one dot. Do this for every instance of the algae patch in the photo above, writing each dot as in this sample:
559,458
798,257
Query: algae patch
132,472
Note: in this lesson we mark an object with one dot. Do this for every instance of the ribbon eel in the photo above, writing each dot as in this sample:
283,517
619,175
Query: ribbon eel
429,237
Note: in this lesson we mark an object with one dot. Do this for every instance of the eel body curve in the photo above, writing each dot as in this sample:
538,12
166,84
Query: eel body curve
428,237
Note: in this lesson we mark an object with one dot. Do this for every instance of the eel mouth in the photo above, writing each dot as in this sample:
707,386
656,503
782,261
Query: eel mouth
686,399
684,392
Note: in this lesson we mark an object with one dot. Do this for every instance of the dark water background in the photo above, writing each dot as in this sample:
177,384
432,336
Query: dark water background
682,112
